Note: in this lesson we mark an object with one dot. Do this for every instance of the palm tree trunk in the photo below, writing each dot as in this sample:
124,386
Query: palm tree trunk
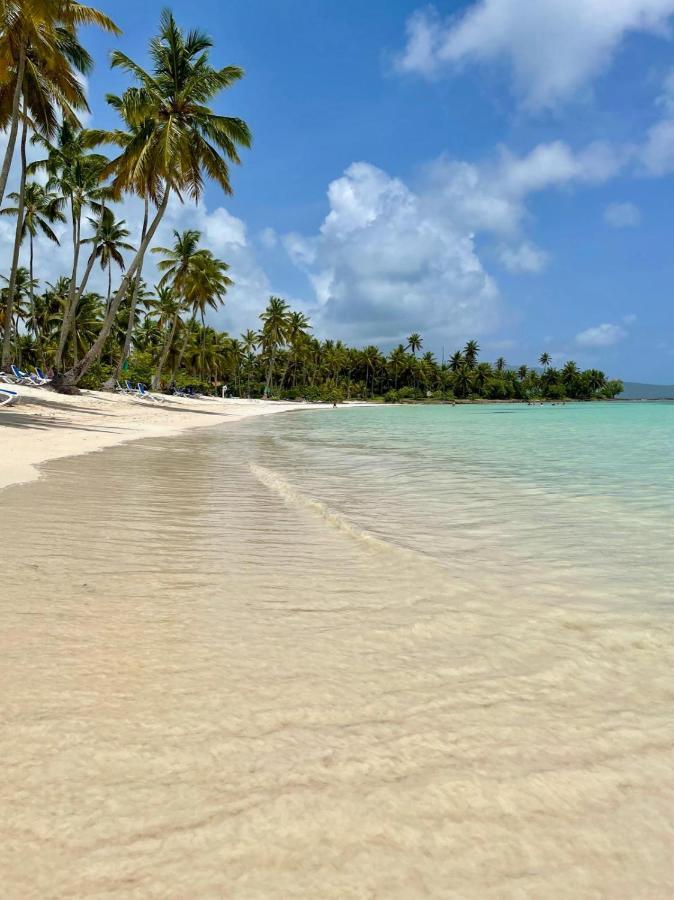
107,302
11,140
73,296
166,349
110,383
183,348
7,337
69,379
36,328
270,374
87,273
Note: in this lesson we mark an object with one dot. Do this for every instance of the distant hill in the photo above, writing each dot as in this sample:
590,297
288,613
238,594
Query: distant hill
636,391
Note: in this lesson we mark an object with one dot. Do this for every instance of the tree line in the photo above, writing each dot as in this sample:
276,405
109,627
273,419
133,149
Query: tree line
168,142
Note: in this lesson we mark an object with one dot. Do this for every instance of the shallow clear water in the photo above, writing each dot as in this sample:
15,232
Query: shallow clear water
580,494
397,652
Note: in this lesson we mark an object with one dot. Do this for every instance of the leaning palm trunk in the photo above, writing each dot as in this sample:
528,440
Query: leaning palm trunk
126,350
69,379
85,277
36,328
166,349
7,337
11,141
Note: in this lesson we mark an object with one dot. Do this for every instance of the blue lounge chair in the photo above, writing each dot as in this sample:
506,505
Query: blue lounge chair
26,378
146,395
7,397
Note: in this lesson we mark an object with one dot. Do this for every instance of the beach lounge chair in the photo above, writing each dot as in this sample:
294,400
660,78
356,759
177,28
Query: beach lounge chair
6,378
122,389
7,397
40,374
146,395
26,378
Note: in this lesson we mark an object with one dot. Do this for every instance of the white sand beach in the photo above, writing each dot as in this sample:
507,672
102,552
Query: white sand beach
45,425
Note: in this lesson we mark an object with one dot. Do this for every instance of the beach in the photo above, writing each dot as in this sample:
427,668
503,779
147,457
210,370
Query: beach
299,657
45,425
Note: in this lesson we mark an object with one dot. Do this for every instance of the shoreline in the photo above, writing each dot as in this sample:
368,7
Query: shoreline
45,425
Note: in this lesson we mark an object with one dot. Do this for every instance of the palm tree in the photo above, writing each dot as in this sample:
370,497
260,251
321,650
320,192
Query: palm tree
298,328
274,334
41,208
7,335
500,364
167,306
179,140
456,361
398,361
522,372
414,342
463,380
207,286
108,242
470,353
249,341
194,274
20,285
570,371
76,175
41,56
545,359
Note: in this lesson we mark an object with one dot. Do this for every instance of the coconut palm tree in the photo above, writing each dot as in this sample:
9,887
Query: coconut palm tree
21,285
273,335
40,57
76,175
41,209
500,364
207,285
463,380
470,353
166,306
249,342
179,140
545,359
108,241
414,343
456,360
7,335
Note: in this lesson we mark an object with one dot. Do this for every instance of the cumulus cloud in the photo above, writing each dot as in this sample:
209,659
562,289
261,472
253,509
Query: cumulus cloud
622,215
491,196
526,257
385,261
605,335
554,48
657,151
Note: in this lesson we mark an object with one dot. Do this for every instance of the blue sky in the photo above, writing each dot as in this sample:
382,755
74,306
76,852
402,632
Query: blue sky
495,169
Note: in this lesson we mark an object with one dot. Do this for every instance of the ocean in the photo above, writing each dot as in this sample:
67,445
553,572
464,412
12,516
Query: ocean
359,652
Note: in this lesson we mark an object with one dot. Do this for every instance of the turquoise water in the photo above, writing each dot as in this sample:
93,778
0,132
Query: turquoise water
582,493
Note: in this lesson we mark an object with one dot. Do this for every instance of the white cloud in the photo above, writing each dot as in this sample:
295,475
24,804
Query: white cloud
622,215
605,335
490,197
554,47
526,257
385,261
268,238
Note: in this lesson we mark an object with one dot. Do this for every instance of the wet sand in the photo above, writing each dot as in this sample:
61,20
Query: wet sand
45,425
213,689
